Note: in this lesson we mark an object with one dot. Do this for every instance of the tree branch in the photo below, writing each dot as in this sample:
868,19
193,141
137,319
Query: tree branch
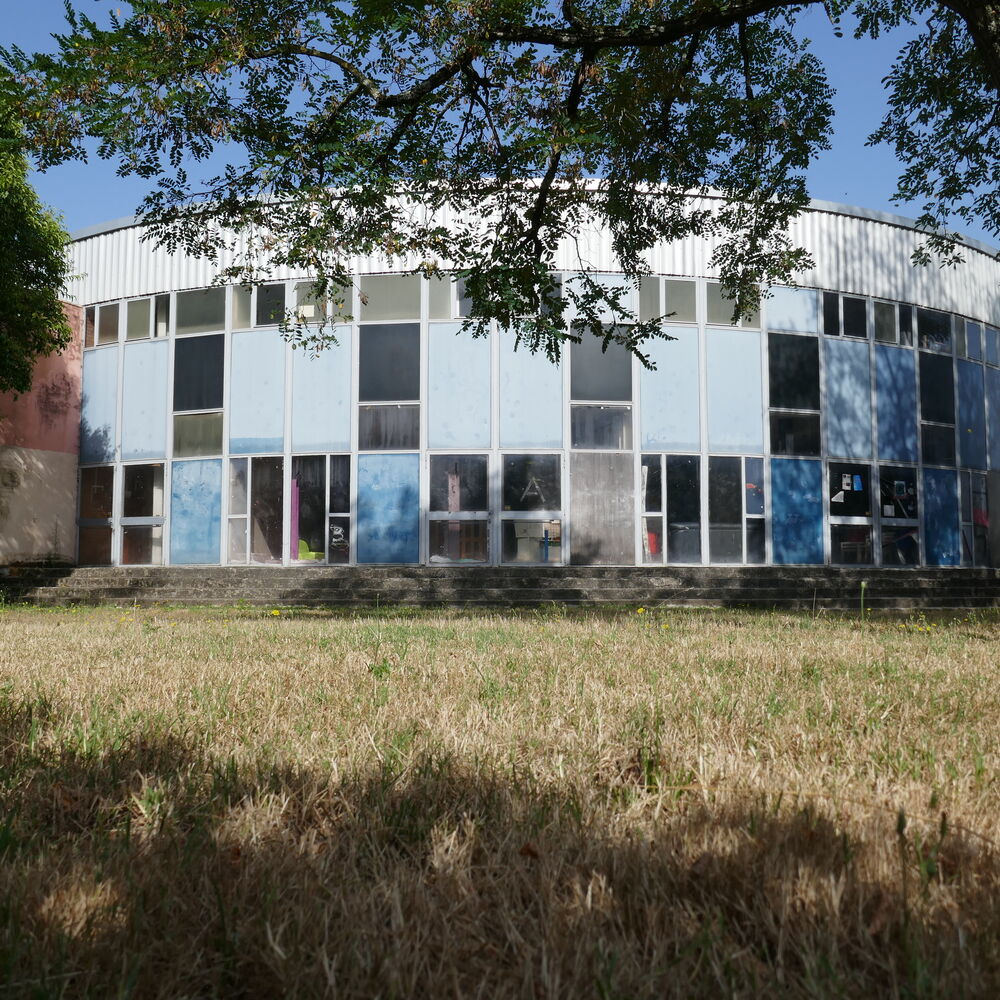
718,14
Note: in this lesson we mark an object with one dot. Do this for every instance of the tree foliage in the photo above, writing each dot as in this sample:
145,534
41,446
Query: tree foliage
482,136
34,268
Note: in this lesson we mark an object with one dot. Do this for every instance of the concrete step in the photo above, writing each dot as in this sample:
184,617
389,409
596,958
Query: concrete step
791,587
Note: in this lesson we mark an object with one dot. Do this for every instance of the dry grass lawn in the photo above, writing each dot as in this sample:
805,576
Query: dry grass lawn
246,803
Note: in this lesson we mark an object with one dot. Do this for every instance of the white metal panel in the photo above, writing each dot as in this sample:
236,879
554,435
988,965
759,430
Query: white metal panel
865,256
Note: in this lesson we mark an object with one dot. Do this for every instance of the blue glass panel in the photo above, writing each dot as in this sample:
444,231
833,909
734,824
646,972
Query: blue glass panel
993,345
388,508
896,403
735,405
971,415
797,510
848,399
941,528
974,340
145,401
321,396
195,511
99,408
993,401
793,309
670,399
530,398
257,392
458,390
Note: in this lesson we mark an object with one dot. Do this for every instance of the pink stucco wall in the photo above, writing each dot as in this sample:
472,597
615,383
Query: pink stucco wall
48,417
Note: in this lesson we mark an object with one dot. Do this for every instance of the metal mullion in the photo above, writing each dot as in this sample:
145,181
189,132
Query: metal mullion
701,315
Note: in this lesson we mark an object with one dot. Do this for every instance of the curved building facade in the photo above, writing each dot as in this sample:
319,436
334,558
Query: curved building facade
855,421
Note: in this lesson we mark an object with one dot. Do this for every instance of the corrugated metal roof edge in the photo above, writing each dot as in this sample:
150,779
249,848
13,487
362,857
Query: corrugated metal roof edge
815,205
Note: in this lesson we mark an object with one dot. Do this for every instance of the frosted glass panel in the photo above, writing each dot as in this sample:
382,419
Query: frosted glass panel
390,296
735,406
793,309
971,415
196,511
257,392
669,396
530,398
98,416
896,403
458,411
145,402
848,399
388,508
321,396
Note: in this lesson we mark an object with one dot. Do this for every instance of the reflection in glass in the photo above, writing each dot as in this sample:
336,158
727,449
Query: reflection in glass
906,325
459,541
755,540
974,341
197,434
308,509
794,433
652,539
237,539
107,324
142,545
198,373
95,546
601,427
241,307
934,329
391,296
683,509
850,544
937,388
340,540
340,484
721,307
201,311
831,314
270,304
938,444
531,482
137,320
680,304
459,483
725,513
389,362
850,490
900,546
386,428
855,317
652,485
96,492
143,491
238,485
898,492
885,322
532,541
793,367
266,501
754,485
599,374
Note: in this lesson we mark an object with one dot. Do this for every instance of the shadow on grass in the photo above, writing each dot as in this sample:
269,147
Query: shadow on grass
143,865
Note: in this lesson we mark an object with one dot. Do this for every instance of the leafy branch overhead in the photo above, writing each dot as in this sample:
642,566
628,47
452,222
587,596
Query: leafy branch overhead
485,136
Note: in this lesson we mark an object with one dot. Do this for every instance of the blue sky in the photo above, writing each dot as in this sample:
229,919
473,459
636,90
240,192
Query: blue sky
851,173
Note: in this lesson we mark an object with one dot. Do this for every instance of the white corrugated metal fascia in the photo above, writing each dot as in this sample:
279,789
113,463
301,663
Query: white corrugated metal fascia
853,251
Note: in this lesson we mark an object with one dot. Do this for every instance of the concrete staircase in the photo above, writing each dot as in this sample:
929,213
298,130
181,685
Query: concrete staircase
781,587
